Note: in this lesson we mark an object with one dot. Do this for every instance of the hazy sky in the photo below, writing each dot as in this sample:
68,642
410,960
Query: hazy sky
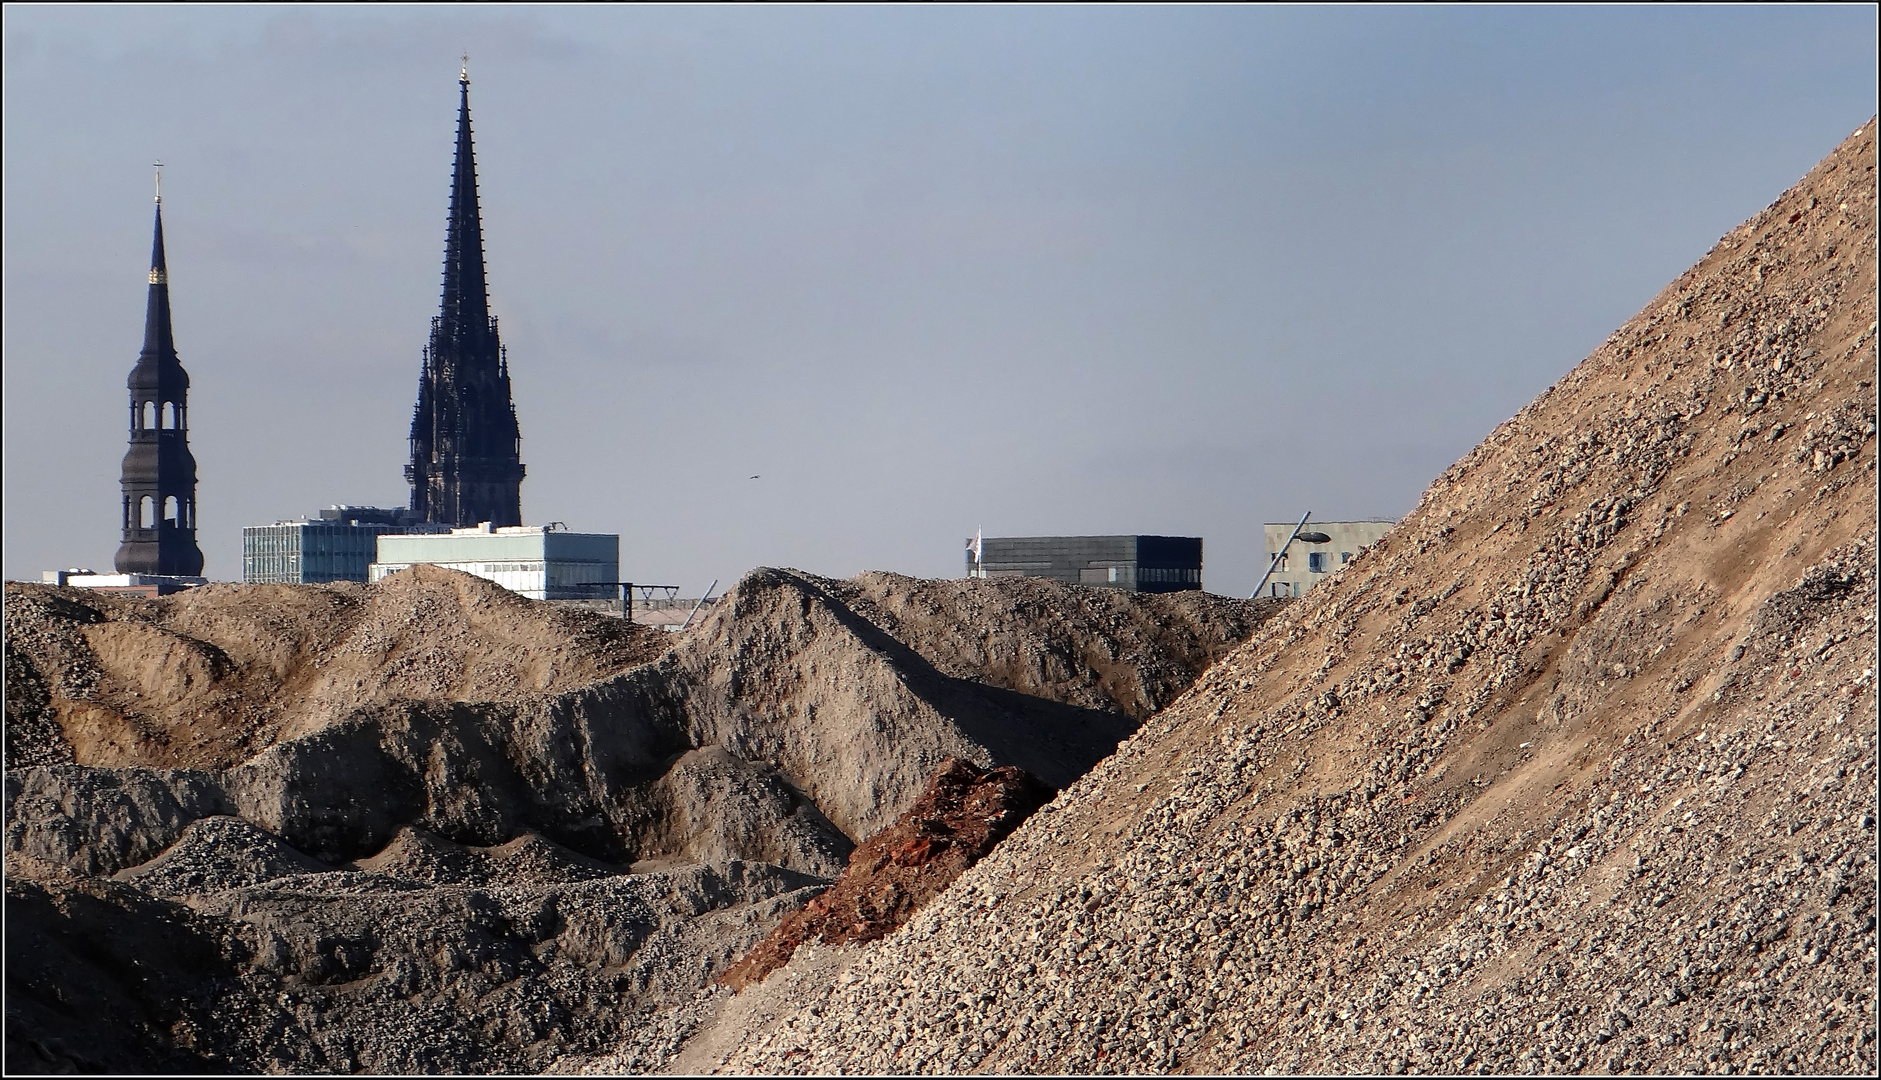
925,269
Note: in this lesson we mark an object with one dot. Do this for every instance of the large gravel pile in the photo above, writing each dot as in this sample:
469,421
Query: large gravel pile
858,690
798,719
1575,771
431,826
210,677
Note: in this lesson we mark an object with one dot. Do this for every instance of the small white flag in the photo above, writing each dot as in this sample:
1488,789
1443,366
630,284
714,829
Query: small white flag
976,546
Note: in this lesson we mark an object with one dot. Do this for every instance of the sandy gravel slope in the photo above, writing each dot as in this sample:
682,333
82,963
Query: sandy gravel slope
1575,771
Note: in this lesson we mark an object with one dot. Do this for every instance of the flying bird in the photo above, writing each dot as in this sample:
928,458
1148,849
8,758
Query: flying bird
754,476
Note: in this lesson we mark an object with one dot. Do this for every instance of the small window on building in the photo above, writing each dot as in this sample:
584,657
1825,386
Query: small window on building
1316,561
1344,557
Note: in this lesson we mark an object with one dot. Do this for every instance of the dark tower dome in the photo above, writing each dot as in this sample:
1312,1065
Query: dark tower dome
466,450
159,473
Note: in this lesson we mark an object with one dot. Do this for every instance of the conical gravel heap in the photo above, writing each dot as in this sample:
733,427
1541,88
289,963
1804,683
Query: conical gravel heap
1574,772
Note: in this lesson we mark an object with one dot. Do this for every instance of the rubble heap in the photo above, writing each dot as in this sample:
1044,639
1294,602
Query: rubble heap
430,826
1575,771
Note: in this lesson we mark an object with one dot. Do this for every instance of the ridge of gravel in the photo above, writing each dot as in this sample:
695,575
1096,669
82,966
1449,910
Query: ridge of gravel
1574,771
423,866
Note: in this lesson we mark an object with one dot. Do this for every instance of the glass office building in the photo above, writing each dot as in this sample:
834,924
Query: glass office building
338,546
308,552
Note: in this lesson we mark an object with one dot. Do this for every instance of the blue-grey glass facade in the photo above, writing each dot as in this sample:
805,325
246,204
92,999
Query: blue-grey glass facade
309,552
1150,564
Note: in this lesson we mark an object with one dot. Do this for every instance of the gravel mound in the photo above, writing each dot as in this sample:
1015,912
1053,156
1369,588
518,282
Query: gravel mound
785,729
417,855
216,853
347,971
390,828
1575,771
207,678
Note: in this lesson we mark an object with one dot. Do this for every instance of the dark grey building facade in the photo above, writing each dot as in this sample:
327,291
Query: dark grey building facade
1150,564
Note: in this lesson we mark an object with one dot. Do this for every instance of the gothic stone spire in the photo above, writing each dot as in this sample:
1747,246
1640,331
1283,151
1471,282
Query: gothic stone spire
158,479
466,462
465,316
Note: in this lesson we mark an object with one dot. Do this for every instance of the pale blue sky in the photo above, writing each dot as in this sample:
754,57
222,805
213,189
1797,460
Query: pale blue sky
926,269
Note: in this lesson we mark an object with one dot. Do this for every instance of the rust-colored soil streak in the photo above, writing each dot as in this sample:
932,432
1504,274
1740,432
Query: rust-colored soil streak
962,814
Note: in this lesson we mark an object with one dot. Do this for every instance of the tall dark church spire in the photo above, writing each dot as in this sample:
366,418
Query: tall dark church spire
466,464
159,473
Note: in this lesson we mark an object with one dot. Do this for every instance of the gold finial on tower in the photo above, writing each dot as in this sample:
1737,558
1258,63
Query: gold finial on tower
157,274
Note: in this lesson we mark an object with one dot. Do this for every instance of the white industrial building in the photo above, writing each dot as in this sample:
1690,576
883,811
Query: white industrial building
132,584
542,562
1306,564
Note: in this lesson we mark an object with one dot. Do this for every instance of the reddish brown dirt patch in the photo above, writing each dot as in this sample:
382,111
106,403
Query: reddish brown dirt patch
962,814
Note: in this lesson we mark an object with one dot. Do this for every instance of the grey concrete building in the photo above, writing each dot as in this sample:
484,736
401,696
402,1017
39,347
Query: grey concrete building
148,585
1148,564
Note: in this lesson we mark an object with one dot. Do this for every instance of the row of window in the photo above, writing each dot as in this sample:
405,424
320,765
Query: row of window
177,513
155,416
293,570
535,579
557,571
1318,562
313,540
270,545
1191,575
323,559
301,554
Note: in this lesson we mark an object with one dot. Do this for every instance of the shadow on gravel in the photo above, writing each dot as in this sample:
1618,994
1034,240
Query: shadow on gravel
1054,741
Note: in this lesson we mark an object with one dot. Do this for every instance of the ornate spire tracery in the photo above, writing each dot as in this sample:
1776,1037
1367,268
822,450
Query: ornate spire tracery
466,462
